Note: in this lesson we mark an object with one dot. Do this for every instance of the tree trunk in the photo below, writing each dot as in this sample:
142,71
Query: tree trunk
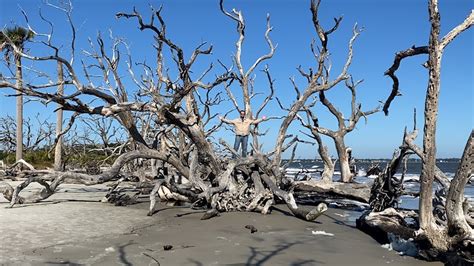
431,113
59,123
246,97
457,224
346,175
295,108
19,109
328,171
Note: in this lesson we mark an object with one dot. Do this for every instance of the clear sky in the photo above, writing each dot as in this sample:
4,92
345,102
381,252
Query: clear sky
389,26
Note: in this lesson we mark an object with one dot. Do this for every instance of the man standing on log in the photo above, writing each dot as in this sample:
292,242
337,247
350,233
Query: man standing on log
242,130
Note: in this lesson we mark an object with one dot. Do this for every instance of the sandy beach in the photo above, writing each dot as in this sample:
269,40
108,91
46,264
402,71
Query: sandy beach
66,229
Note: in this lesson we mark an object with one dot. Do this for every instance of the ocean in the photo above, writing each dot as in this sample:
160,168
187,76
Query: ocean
448,166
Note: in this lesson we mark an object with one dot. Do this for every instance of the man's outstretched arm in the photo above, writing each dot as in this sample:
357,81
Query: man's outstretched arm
257,121
225,120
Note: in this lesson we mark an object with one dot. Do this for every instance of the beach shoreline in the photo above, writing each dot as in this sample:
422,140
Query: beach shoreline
73,227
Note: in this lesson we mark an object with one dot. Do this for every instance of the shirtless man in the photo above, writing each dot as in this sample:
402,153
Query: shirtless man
242,130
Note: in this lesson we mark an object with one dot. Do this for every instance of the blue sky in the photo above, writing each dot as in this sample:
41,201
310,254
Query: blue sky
389,26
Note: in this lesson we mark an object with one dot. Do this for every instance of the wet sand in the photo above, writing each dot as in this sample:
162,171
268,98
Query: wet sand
94,233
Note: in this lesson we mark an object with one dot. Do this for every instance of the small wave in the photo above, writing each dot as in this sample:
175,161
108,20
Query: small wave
302,170
409,177
361,172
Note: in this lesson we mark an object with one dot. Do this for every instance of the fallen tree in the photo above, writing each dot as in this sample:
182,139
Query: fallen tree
345,126
359,192
170,118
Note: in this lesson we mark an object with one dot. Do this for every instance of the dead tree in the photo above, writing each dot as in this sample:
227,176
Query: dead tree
7,134
358,192
203,178
311,123
244,76
318,80
104,132
344,126
457,235
387,189
37,133
385,217
328,171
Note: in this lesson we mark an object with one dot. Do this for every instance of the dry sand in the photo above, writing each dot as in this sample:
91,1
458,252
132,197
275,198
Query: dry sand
72,232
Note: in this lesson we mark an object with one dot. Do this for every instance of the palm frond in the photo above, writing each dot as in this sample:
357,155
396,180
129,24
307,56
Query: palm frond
17,35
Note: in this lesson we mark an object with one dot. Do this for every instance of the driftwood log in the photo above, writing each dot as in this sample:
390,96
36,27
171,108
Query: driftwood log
359,192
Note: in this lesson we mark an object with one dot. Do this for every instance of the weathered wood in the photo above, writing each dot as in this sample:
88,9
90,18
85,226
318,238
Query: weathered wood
359,192
314,80
379,224
436,239
47,190
387,189
153,193
458,227
7,191
312,124
373,170
58,150
23,162
19,108
209,214
391,72
308,215
328,170
243,184
346,175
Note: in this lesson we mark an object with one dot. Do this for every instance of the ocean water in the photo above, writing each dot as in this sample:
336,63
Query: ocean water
449,167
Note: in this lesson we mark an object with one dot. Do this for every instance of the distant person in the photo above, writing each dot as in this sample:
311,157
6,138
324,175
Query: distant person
242,130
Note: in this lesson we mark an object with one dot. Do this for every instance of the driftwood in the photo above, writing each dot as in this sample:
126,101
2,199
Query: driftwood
387,189
168,117
373,170
118,196
343,152
23,162
379,224
383,219
443,229
359,192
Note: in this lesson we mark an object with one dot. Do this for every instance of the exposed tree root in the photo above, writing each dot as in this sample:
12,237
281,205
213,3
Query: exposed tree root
247,184
450,237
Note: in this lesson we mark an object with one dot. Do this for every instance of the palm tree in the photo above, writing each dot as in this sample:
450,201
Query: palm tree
10,37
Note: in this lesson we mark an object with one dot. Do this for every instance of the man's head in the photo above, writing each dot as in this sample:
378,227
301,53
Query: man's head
242,114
